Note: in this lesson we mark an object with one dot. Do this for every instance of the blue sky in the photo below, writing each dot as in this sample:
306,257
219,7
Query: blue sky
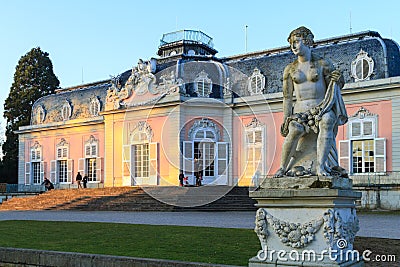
105,38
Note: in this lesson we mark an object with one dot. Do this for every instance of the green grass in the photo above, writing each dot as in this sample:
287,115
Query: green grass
196,244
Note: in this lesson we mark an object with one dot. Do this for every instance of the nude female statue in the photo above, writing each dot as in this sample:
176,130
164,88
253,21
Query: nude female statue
318,107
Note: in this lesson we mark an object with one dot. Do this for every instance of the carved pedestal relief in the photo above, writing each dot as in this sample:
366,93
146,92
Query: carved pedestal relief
297,235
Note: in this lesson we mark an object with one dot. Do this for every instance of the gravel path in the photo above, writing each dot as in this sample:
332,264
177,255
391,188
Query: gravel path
371,224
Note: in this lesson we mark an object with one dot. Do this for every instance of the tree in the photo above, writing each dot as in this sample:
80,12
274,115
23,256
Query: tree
33,78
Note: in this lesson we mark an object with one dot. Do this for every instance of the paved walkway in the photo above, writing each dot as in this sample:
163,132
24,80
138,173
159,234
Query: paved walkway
371,225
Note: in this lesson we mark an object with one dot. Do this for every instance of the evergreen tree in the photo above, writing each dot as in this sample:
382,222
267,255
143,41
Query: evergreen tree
33,78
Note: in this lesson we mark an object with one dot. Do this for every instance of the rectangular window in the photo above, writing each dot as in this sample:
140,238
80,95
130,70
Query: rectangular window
254,151
36,172
62,169
363,156
366,156
141,160
91,169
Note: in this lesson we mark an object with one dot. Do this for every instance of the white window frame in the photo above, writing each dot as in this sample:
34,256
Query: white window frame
62,154
362,57
198,133
66,111
91,154
250,147
256,82
203,85
36,158
356,131
94,106
40,114
141,135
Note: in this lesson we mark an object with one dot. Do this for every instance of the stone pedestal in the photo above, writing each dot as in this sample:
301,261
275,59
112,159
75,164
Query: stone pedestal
301,224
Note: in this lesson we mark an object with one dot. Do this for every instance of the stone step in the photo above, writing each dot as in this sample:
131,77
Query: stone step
223,198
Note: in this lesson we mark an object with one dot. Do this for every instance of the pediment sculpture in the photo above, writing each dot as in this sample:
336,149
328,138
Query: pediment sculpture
142,81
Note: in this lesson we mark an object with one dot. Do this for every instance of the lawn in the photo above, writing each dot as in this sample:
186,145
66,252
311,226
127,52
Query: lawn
185,243
196,244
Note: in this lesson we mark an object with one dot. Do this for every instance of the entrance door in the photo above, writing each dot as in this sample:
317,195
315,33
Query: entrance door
204,160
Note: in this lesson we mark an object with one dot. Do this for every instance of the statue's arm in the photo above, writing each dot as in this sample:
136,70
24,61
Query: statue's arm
287,93
330,73
287,100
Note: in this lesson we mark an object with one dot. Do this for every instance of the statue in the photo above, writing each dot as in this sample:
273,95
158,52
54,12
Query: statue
316,113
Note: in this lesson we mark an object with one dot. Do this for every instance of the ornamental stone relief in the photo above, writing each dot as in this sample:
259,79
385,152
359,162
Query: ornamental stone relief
362,113
335,228
297,235
142,81
142,126
204,123
291,234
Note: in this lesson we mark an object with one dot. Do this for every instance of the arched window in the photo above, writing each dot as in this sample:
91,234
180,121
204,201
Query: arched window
140,157
362,67
40,114
94,106
90,165
66,111
61,167
203,154
35,168
256,82
203,85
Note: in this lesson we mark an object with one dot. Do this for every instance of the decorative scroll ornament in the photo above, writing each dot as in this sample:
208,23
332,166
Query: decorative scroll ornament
62,142
336,229
115,94
362,113
36,145
142,126
204,123
91,140
254,123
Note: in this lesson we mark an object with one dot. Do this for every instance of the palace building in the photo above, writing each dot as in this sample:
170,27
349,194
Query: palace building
190,110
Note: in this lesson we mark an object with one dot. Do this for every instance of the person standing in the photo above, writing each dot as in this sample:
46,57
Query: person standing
78,180
181,177
85,180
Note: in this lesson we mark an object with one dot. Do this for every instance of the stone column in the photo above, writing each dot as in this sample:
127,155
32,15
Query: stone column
306,222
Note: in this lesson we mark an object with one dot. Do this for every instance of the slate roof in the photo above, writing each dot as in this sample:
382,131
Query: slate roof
341,51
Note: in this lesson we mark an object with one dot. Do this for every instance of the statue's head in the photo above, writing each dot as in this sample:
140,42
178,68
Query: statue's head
304,33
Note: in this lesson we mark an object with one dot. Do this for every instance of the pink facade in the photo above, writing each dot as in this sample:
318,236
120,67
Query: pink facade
215,117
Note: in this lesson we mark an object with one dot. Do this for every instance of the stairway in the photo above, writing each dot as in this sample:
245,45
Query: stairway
161,198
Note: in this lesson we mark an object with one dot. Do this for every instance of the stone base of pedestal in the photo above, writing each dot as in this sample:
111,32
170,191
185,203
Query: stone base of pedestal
296,224
307,182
